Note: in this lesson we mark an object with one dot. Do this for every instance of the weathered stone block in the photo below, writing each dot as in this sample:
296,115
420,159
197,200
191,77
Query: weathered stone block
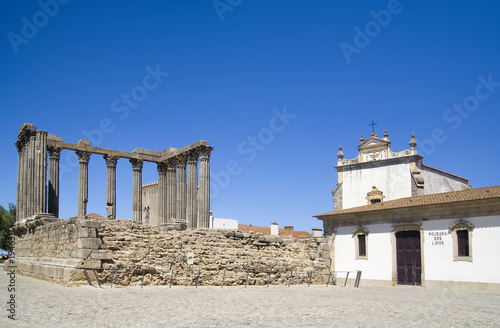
324,247
324,254
83,253
90,224
92,243
89,264
328,263
88,232
102,256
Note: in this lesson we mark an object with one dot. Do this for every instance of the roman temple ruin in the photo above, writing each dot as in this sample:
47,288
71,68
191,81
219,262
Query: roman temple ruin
179,202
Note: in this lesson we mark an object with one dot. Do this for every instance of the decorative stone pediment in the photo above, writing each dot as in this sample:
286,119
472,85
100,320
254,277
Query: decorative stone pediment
374,143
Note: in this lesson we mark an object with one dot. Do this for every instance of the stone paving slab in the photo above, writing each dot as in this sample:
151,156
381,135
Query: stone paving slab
45,304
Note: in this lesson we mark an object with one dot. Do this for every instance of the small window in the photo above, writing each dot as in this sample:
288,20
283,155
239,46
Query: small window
360,236
374,196
361,245
462,240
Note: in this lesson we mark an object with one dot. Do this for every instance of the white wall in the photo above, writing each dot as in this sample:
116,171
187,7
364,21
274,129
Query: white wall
438,257
436,182
220,223
393,180
378,266
485,265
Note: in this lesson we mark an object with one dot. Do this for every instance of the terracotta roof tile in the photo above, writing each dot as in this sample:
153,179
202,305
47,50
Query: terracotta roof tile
441,198
95,216
267,231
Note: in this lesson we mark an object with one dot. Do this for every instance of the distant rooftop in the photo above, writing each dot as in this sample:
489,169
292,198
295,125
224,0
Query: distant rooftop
267,231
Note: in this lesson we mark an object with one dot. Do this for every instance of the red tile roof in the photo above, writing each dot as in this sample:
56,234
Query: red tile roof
441,198
267,231
95,216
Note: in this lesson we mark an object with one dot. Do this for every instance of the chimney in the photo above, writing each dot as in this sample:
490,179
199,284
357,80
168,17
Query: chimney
289,228
274,229
317,232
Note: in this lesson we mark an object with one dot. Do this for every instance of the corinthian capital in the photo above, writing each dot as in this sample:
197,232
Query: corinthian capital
136,164
111,160
205,152
83,156
54,152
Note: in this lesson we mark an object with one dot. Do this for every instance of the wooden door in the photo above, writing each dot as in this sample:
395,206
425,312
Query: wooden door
409,260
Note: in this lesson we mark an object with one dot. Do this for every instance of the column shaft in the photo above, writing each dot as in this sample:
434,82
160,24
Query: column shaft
192,188
19,146
204,189
137,190
24,182
111,186
83,188
181,188
162,188
171,191
30,186
53,200
40,173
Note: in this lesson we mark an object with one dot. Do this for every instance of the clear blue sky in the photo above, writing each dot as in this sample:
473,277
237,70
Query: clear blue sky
415,66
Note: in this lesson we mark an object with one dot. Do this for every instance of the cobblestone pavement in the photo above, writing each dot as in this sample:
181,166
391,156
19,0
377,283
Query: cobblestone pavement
43,304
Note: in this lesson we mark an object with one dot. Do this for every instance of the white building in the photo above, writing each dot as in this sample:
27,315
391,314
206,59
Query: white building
401,222
221,223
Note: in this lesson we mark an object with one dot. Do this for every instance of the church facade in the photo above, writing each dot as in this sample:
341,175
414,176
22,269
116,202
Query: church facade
404,223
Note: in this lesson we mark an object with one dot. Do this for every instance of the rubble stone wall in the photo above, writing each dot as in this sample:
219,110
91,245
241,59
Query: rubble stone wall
128,252
56,248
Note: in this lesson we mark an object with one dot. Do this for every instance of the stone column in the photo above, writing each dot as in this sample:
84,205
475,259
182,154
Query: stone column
24,182
162,189
40,173
20,177
192,188
30,186
181,187
83,183
54,155
137,190
204,189
171,190
111,186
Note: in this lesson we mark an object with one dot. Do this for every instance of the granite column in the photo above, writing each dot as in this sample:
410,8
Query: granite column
162,189
171,190
111,186
204,189
137,190
83,183
53,203
40,173
192,188
181,187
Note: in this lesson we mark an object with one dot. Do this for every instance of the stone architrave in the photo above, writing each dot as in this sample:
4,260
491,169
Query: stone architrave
162,190
111,186
192,189
181,187
83,183
53,202
137,190
204,189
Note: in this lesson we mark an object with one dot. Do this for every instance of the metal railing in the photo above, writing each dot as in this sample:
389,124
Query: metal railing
330,278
